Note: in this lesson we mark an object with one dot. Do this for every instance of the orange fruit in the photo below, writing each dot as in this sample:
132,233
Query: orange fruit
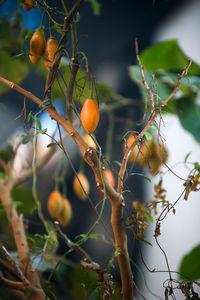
65,215
54,204
29,4
78,188
90,115
50,51
140,152
37,46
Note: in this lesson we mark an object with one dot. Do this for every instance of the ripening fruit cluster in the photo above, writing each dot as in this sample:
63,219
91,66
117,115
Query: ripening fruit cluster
148,153
59,208
40,48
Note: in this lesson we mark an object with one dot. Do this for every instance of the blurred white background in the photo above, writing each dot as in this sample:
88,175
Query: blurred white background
179,232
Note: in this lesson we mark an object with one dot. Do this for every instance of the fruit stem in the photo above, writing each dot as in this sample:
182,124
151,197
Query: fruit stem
111,125
34,185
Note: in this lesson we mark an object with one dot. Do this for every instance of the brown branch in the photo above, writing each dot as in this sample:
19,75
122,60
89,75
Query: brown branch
10,284
4,165
16,222
70,244
149,124
148,89
14,265
59,53
116,199
5,266
70,89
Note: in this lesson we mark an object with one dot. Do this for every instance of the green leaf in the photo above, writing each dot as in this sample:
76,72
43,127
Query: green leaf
149,217
142,175
44,102
43,131
94,295
118,163
188,112
197,166
29,117
57,27
6,153
37,123
96,7
77,278
190,265
3,215
51,145
169,56
90,236
186,157
3,175
27,138
16,70
152,128
148,136
148,243
25,197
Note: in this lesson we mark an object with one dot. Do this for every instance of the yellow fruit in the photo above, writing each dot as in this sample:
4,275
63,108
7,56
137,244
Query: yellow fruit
89,141
65,214
78,188
140,152
158,156
50,51
37,46
148,153
90,115
54,204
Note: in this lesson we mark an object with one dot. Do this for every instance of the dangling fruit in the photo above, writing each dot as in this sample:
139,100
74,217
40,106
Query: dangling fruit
110,177
90,115
65,214
50,51
29,4
78,188
89,141
140,152
158,157
54,204
148,153
37,46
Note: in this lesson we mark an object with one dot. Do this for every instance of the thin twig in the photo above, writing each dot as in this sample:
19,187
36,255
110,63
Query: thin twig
148,89
14,265
116,199
70,244
149,124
